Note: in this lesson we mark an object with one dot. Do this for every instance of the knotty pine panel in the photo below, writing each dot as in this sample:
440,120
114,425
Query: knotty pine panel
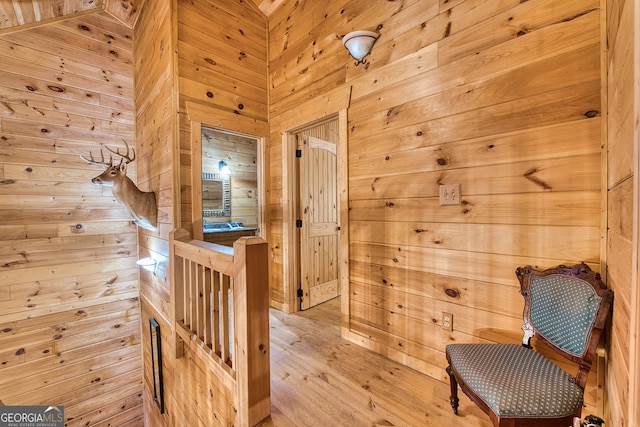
566,104
240,39
288,27
464,292
314,87
58,46
620,207
19,101
80,74
412,153
23,231
101,29
619,353
525,240
576,69
416,25
183,377
125,409
453,92
67,264
486,267
501,26
153,96
620,105
221,64
426,311
548,208
48,371
621,386
619,272
84,133
497,59
196,69
198,92
582,174
76,40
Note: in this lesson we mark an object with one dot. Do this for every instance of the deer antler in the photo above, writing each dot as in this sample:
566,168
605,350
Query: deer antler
126,156
93,161
129,158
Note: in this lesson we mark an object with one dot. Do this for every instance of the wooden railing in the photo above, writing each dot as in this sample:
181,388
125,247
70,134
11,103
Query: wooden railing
221,311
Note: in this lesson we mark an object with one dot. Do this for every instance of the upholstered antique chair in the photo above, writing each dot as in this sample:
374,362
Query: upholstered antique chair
566,308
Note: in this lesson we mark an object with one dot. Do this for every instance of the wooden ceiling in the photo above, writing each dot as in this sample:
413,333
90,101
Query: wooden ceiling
268,6
17,14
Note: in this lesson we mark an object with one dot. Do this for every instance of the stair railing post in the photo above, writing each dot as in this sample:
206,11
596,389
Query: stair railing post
251,317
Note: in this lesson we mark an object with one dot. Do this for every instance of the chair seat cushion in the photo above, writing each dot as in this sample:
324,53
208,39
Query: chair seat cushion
514,380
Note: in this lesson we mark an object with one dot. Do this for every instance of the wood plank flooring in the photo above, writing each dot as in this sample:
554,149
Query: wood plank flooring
319,379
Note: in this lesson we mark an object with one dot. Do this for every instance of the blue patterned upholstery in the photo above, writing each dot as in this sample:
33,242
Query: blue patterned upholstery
515,381
563,310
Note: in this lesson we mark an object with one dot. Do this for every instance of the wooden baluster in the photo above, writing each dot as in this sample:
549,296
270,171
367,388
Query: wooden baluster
206,307
177,284
200,314
224,321
215,292
193,299
231,323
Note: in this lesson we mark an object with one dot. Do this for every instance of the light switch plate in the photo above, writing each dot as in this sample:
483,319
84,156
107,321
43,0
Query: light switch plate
450,194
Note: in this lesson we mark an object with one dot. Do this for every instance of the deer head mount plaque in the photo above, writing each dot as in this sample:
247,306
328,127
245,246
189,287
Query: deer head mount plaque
140,204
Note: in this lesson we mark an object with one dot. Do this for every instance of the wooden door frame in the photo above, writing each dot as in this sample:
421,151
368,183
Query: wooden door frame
212,118
634,348
329,106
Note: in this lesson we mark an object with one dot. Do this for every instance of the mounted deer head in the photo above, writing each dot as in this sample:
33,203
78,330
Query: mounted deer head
140,204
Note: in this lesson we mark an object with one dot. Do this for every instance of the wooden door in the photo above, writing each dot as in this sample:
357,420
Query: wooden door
319,219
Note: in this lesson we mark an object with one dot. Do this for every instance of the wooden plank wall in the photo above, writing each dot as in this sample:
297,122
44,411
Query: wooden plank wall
223,67
69,309
500,97
220,63
621,176
154,138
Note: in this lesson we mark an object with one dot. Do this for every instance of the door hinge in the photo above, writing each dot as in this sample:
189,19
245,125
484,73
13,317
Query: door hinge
300,293
298,223
298,153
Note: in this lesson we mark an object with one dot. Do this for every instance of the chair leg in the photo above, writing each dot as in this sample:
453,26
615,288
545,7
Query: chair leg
453,399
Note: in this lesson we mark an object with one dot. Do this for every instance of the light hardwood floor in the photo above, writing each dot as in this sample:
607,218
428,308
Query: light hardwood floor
319,379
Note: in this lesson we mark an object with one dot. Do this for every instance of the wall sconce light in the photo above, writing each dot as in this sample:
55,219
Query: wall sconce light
148,264
359,44
224,168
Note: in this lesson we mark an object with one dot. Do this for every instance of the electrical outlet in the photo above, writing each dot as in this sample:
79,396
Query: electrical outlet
447,321
450,194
